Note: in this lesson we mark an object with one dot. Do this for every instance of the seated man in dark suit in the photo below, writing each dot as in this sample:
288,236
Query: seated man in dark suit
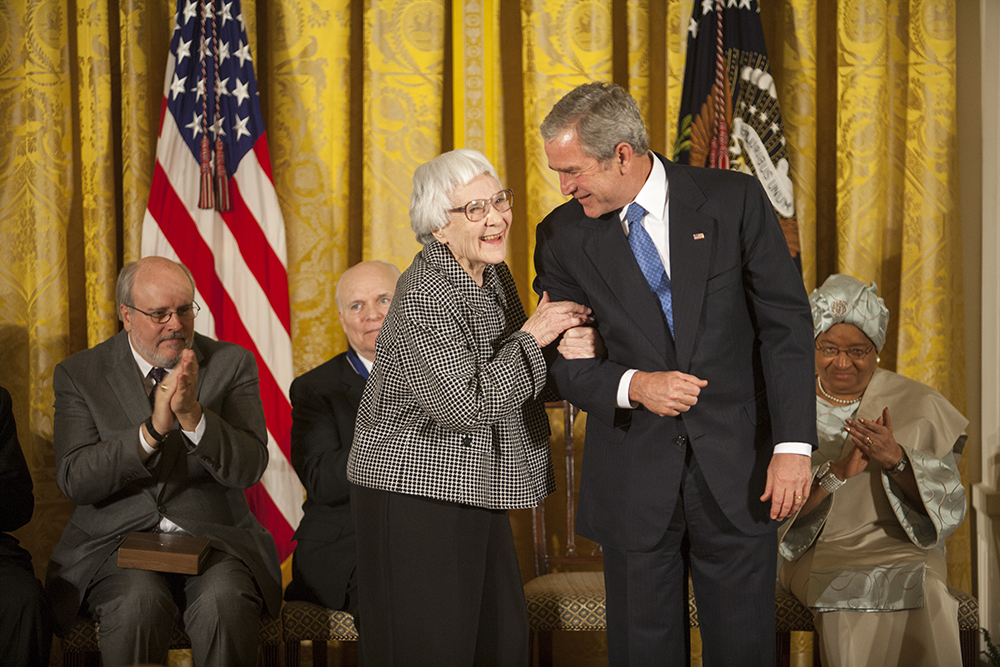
160,429
25,625
324,406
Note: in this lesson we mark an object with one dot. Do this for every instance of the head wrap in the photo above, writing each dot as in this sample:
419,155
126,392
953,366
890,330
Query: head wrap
846,299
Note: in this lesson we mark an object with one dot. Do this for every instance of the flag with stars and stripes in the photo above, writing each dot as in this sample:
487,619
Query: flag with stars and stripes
729,115
212,207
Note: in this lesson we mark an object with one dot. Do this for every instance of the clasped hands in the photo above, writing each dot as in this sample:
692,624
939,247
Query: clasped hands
552,318
176,398
874,440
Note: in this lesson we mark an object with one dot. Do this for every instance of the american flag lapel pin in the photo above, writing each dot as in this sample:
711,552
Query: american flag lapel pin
699,236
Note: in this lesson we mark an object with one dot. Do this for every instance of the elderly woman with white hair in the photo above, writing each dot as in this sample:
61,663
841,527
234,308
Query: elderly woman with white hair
886,492
451,433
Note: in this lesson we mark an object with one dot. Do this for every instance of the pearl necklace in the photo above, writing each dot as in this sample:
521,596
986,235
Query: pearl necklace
834,399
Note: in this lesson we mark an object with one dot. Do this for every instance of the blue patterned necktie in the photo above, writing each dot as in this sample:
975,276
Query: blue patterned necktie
649,261
156,374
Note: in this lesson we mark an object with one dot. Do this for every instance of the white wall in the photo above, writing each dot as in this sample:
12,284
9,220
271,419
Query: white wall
986,476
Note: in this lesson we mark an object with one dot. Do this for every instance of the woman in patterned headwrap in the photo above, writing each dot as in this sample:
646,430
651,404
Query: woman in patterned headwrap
886,492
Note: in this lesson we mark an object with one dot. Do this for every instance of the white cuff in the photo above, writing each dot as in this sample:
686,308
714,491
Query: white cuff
623,387
803,448
145,451
199,430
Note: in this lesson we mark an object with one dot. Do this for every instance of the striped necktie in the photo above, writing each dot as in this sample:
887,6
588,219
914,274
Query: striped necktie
156,375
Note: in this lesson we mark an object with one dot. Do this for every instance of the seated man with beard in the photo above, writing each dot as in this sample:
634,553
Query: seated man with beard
160,429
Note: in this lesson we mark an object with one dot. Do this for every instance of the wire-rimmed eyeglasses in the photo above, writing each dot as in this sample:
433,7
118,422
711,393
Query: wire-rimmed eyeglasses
477,209
184,313
856,353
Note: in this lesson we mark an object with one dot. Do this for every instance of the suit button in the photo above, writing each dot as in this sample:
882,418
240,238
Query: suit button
162,509
467,441
680,441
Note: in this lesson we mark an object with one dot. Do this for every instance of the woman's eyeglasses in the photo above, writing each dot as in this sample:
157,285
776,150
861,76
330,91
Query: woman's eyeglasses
477,209
856,353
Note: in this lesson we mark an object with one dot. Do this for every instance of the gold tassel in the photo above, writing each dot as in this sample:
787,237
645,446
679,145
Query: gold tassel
205,198
222,202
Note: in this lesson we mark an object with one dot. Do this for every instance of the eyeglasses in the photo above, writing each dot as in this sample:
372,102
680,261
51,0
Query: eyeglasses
477,209
856,353
184,313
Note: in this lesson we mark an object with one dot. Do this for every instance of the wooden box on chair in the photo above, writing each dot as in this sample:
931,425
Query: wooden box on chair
163,552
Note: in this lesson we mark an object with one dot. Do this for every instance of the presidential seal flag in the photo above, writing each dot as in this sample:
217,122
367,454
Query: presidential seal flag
212,207
729,117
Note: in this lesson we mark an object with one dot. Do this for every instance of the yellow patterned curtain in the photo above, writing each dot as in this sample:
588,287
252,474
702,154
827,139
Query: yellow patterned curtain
356,95
402,115
307,103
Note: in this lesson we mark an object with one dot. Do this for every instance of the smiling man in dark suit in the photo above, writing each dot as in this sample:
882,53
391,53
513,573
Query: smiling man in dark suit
701,415
160,429
324,406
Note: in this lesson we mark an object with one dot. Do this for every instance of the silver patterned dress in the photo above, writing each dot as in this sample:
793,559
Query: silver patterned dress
868,563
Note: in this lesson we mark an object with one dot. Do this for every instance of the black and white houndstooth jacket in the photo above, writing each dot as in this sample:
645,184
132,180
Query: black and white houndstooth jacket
451,410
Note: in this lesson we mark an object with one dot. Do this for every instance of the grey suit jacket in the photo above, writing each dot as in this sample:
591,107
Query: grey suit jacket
741,321
99,405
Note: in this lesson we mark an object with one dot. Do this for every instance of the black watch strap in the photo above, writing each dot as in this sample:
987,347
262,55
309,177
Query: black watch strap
153,433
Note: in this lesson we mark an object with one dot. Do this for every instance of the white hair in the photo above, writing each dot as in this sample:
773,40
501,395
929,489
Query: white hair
435,181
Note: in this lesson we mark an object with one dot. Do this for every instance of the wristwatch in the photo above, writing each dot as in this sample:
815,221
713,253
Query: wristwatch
829,480
899,467
153,433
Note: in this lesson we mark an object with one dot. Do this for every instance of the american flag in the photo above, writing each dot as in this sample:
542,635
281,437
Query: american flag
235,249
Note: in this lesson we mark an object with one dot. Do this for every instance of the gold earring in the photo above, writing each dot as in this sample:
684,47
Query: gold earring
878,359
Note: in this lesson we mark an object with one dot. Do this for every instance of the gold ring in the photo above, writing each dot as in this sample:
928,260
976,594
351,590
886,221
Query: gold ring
798,497
869,441
167,388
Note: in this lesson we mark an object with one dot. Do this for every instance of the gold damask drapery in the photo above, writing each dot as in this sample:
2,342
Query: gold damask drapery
356,95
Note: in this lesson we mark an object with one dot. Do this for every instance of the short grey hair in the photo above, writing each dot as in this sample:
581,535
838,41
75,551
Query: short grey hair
605,115
392,268
126,281
435,181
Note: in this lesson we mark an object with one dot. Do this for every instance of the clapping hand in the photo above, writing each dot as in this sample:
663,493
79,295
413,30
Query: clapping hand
875,439
183,391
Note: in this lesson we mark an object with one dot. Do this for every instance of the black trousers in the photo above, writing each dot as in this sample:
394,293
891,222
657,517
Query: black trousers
439,583
325,573
25,620
733,575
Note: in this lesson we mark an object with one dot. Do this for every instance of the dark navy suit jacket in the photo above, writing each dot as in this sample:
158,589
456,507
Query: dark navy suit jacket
742,322
324,407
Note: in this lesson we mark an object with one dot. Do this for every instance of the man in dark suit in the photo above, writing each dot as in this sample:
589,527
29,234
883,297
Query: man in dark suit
160,429
324,406
701,417
25,622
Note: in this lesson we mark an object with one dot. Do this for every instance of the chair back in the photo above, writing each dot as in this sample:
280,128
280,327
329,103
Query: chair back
564,459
